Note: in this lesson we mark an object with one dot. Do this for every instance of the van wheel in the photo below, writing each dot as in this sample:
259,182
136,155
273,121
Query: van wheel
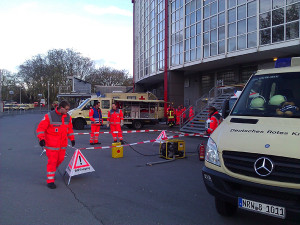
137,125
79,124
225,208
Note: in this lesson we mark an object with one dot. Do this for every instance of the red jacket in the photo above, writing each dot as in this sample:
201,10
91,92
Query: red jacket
55,128
215,120
191,112
115,117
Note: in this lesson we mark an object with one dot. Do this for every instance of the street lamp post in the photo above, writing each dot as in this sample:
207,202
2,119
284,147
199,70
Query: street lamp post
40,95
48,95
20,94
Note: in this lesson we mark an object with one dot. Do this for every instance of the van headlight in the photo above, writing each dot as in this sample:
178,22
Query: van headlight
212,155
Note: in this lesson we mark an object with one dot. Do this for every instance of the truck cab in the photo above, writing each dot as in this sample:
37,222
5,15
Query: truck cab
252,159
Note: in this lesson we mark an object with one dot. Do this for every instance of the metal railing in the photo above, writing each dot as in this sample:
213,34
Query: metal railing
41,110
202,103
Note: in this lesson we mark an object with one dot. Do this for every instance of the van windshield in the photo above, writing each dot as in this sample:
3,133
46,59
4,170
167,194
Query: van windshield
83,103
272,95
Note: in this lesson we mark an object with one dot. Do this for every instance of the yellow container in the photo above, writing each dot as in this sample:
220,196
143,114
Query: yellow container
117,152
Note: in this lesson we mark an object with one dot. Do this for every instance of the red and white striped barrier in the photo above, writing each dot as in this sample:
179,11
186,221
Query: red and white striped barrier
149,141
124,132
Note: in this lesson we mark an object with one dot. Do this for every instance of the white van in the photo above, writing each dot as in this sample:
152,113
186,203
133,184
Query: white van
252,159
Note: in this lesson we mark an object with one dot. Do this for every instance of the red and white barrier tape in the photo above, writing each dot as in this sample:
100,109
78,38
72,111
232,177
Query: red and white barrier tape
124,132
145,142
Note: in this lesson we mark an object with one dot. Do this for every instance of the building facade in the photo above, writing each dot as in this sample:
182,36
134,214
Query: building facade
183,48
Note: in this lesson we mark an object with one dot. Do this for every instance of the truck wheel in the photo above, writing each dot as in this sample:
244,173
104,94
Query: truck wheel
79,124
225,208
137,125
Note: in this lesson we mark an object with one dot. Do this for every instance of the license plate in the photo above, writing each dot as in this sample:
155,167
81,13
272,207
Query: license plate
271,210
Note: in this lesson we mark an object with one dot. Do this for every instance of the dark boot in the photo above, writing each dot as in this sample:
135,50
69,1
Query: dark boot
51,185
91,143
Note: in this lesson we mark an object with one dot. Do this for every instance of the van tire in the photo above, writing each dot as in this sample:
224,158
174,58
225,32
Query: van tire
137,124
225,208
79,124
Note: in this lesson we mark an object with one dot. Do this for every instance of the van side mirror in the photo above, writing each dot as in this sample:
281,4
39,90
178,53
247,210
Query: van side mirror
225,108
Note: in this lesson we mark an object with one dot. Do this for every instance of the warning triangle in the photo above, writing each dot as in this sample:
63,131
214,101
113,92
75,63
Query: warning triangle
80,161
78,164
161,137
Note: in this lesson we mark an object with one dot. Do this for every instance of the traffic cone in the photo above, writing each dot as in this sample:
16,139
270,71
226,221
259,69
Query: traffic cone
201,152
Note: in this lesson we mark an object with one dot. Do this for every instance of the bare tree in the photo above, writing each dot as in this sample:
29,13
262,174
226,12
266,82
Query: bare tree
107,76
11,82
54,68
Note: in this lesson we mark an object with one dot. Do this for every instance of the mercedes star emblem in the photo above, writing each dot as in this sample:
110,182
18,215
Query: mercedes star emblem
263,166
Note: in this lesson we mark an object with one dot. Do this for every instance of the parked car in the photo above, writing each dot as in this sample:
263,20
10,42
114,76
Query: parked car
15,107
24,106
7,107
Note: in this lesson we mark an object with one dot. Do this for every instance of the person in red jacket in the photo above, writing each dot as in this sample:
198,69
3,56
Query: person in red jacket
191,113
170,116
178,114
213,121
53,133
115,121
95,115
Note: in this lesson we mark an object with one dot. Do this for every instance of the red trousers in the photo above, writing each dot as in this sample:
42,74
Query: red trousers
94,137
55,158
177,119
116,127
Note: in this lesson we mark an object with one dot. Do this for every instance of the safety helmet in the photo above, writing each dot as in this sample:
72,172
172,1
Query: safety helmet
277,100
258,103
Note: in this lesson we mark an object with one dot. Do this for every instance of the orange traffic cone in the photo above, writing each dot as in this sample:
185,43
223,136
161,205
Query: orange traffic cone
201,152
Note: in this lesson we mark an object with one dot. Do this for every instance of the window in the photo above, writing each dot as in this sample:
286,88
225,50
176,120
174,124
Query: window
265,36
105,104
278,17
214,30
277,34
89,105
193,29
131,97
242,22
266,95
292,30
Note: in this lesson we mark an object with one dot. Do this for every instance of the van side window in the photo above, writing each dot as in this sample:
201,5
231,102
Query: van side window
89,105
105,104
131,97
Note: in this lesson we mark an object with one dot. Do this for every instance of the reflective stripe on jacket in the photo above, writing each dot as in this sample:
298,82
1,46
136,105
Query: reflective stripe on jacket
55,128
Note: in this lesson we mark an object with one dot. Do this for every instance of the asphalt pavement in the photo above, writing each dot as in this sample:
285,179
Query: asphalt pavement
119,191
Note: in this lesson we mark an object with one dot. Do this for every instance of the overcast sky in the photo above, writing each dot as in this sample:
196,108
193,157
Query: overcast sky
99,29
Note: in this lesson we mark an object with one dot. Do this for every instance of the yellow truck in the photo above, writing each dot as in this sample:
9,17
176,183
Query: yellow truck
252,159
138,109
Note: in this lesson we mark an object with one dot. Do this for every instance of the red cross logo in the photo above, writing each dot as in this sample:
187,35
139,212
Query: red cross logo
142,98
